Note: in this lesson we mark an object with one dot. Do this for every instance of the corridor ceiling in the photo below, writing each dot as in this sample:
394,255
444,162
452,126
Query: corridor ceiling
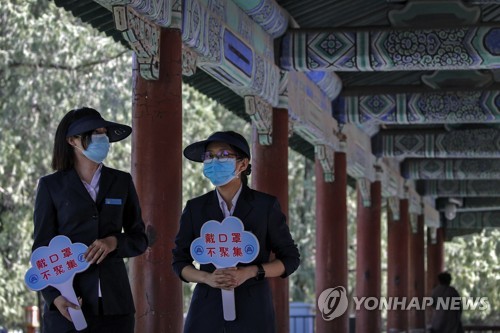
421,78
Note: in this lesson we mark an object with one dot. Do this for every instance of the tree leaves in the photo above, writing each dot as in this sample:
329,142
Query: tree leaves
49,64
473,262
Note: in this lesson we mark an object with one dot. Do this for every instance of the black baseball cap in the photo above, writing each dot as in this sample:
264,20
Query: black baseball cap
195,150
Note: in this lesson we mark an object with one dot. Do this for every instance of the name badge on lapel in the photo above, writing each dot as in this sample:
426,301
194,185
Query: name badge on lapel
112,201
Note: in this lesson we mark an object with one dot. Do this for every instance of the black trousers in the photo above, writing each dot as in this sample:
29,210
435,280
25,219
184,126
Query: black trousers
54,322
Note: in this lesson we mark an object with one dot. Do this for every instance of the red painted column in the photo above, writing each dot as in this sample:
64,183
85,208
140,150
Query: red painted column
368,265
416,269
435,259
331,239
431,273
270,175
157,171
435,254
398,234
440,264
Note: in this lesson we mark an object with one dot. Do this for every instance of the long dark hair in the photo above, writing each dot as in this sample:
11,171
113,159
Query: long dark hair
63,156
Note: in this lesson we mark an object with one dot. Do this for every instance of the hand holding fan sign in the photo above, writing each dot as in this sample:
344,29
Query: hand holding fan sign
225,244
56,265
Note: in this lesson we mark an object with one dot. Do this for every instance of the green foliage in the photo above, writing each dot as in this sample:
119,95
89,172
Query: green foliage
45,72
301,212
473,261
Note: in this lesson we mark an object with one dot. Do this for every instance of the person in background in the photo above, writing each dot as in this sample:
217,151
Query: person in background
97,206
226,163
447,307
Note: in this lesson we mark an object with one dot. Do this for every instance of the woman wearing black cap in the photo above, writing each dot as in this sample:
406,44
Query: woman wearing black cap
225,157
95,205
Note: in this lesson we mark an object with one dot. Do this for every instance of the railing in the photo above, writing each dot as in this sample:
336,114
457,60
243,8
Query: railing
481,329
302,323
305,324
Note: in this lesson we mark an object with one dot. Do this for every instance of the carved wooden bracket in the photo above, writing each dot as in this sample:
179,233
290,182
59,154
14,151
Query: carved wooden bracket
325,155
364,190
143,37
283,90
189,61
414,223
379,172
261,114
393,202
433,233
414,200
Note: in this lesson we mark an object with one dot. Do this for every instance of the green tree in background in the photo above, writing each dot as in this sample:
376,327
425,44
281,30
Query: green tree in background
474,263
301,212
49,64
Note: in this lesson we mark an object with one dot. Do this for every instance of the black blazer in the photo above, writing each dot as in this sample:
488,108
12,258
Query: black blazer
64,207
261,215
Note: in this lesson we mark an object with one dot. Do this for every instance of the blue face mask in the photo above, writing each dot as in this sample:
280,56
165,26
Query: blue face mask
220,172
98,148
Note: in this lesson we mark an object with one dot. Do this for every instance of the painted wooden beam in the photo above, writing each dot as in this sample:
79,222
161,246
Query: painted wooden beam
475,220
159,12
267,14
459,188
444,107
232,48
474,143
467,168
473,47
472,204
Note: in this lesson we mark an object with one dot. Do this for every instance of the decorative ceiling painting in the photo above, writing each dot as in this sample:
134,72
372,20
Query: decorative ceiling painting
409,89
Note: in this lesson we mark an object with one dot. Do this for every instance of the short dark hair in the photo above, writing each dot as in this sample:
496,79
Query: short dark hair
444,278
245,173
63,156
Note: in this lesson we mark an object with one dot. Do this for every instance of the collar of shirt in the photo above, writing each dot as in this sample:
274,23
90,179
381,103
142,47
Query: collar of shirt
93,187
223,204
